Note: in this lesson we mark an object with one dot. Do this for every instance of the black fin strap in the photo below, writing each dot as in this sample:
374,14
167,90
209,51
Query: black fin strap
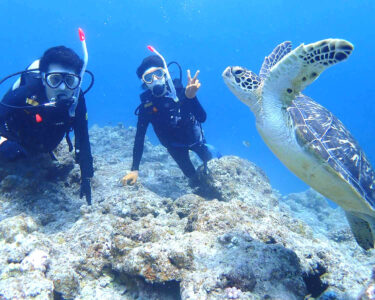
69,142
53,157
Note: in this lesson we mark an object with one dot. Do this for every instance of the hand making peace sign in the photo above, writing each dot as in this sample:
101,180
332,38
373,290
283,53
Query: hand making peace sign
192,86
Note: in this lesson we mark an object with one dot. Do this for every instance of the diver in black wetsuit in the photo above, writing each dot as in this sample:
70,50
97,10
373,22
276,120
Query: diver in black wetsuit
44,106
177,124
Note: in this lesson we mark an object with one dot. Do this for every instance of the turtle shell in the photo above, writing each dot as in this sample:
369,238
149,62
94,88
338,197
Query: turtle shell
320,132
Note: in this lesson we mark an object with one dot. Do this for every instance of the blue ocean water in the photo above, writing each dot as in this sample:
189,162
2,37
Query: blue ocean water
206,35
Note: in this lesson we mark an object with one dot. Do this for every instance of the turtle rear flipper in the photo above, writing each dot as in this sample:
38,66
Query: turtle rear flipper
361,231
300,67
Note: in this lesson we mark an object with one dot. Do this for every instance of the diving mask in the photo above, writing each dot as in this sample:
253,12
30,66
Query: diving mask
55,79
149,75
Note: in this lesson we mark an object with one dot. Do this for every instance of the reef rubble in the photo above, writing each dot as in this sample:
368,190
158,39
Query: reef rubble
233,237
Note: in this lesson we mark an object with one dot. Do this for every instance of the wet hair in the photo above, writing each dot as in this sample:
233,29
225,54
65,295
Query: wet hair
148,62
63,56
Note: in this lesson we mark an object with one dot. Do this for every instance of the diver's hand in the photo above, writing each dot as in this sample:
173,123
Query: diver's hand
86,190
192,86
130,178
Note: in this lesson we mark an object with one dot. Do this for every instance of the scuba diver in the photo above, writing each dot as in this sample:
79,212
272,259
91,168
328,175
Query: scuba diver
175,114
43,106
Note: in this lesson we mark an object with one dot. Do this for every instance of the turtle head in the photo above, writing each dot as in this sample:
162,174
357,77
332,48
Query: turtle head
243,84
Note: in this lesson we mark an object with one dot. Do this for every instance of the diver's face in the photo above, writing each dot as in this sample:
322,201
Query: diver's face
61,90
154,78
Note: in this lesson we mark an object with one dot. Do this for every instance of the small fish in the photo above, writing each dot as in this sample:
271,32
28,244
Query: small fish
246,143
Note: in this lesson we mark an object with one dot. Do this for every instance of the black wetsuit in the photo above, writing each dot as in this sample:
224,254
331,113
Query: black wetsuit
177,125
40,129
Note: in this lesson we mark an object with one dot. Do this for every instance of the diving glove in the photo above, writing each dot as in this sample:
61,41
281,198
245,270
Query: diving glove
86,190
130,178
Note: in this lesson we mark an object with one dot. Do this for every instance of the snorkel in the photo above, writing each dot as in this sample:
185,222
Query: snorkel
82,38
172,93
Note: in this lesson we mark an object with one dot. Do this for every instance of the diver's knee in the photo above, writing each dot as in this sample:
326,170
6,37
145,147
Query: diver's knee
10,150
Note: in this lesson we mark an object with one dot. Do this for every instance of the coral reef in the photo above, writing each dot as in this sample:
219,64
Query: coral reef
233,237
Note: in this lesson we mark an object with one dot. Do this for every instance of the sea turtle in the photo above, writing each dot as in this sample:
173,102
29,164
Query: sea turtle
304,135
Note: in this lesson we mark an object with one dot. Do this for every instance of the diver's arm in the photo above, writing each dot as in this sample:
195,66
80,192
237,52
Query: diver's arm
10,101
82,141
196,109
191,100
139,141
13,98
4,110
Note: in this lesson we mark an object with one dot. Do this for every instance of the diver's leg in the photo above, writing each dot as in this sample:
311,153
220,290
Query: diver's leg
181,157
10,150
203,152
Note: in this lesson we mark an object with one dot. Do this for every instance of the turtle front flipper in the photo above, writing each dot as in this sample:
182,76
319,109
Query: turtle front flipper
276,55
300,67
362,231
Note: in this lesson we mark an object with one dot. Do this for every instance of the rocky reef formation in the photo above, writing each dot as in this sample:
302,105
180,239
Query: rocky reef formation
233,237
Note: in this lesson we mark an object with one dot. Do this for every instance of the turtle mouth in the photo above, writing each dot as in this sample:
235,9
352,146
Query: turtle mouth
228,77
227,73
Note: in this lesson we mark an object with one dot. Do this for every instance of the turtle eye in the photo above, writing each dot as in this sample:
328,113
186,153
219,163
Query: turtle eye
237,71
